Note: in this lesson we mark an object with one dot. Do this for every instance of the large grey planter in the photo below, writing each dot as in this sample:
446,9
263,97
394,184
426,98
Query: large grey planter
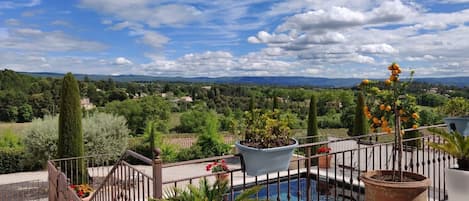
262,161
461,124
457,182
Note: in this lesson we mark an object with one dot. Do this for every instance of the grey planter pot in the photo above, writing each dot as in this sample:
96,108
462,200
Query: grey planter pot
457,182
262,161
460,124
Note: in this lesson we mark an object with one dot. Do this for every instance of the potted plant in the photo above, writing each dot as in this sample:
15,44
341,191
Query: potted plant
457,179
83,191
220,168
388,109
208,192
457,110
267,145
324,161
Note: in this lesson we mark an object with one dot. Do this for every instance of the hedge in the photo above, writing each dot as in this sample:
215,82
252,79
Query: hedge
11,160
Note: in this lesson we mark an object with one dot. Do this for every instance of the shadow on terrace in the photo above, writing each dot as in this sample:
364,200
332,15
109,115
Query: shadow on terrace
135,177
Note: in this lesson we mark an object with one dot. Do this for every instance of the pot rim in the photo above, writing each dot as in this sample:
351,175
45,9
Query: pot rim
367,179
457,118
292,146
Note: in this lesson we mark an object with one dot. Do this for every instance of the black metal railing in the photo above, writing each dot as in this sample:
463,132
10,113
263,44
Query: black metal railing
349,158
307,178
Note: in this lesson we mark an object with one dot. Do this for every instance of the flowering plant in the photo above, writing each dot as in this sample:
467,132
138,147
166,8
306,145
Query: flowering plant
323,149
82,190
391,107
217,167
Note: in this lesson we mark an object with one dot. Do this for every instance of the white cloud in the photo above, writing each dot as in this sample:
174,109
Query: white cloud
27,39
153,39
336,18
12,22
381,48
122,61
60,23
148,13
18,4
31,13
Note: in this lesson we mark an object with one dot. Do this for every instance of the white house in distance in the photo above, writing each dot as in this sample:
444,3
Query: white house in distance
85,103
187,99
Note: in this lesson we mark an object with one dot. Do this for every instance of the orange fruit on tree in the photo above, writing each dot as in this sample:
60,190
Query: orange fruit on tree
388,108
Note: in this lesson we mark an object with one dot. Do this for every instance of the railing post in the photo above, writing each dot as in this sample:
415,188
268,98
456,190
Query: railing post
308,173
157,175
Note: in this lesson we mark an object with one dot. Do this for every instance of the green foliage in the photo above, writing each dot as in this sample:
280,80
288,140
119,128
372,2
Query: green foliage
457,106
194,121
168,151
11,160
8,139
70,129
266,129
105,134
139,112
102,133
330,121
209,142
429,117
360,126
455,144
208,192
431,100
312,119
70,143
40,141
25,113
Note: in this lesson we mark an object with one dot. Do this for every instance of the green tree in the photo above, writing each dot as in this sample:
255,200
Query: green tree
312,130
360,126
70,142
25,113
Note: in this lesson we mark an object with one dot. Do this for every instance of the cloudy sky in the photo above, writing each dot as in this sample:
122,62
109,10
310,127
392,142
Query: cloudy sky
334,38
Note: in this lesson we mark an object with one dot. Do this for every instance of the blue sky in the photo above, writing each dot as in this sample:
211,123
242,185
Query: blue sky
335,38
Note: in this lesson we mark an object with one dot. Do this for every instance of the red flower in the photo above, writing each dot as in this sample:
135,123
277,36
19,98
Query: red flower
323,149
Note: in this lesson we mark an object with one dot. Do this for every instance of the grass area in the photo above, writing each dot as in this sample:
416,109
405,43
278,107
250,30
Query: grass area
331,132
174,120
17,128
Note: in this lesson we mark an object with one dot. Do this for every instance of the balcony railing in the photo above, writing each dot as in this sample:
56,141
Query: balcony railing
304,180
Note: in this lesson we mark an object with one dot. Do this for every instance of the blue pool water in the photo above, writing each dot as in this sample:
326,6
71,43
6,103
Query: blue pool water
294,191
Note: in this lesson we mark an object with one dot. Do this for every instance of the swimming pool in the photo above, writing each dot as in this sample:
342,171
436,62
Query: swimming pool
327,194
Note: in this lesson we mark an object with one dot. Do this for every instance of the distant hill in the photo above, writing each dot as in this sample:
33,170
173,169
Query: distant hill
259,80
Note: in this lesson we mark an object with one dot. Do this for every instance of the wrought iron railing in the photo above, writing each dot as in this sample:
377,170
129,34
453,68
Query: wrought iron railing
304,180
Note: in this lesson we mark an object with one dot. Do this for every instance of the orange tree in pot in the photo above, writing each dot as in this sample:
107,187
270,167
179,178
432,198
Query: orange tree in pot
388,110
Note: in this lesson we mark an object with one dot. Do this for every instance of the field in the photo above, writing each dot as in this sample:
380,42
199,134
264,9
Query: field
16,128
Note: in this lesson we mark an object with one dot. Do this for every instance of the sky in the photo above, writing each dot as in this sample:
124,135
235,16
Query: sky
216,38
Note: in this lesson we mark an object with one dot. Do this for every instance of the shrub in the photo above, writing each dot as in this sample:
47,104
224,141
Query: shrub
11,160
329,121
8,139
103,134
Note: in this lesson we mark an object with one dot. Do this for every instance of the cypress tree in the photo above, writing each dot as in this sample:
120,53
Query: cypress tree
251,104
360,125
312,131
312,119
275,104
70,129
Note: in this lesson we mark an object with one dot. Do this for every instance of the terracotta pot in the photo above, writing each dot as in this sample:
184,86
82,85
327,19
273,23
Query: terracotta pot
325,161
379,190
222,176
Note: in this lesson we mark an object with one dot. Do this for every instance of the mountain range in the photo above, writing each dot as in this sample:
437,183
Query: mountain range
257,80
